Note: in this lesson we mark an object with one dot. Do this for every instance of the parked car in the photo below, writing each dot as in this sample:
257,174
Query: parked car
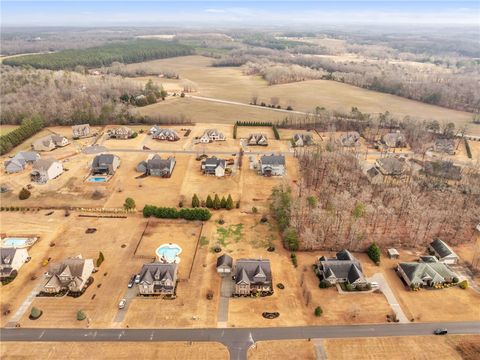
374,284
131,281
122,303
137,278
441,331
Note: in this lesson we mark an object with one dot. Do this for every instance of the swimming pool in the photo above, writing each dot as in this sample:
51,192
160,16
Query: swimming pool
97,179
16,242
169,253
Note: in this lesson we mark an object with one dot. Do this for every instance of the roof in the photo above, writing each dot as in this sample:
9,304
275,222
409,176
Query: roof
28,155
7,255
392,251
253,271
103,160
213,162
157,271
43,164
391,165
394,139
72,267
442,249
224,260
156,162
443,169
416,272
272,160
343,266
428,259
350,138
81,127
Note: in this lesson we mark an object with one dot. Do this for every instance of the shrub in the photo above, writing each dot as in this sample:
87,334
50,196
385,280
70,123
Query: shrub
349,287
216,202
229,205
254,210
172,213
455,280
290,239
100,259
81,315
369,286
318,311
35,313
223,203
209,202
324,284
293,256
129,204
289,108
374,253
195,201
24,194
180,204
275,132
182,94
463,285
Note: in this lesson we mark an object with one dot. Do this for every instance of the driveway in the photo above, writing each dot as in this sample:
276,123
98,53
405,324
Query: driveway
392,300
226,291
26,303
129,295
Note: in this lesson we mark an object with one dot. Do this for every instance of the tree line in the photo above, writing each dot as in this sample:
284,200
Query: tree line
125,52
172,213
28,128
213,203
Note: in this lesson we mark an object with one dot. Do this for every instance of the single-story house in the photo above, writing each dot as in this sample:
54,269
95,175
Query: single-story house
350,139
72,274
418,274
224,264
343,268
121,132
272,165
394,140
253,276
446,146
50,142
443,252
163,134
105,164
214,166
79,131
442,169
300,140
11,260
44,170
257,139
20,161
393,253
212,135
158,279
156,166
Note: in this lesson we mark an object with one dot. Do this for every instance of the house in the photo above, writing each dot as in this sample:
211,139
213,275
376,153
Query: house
50,142
394,140
272,165
302,140
163,134
211,135
80,131
253,277
72,274
393,253
44,170
20,161
257,139
11,260
419,274
214,166
441,169
350,139
156,166
388,168
446,146
105,164
158,279
443,252
224,265
121,132
427,259
344,268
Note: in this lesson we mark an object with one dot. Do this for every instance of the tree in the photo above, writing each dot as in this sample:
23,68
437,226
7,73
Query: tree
254,210
318,311
463,285
24,194
290,239
129,204
312,201
229,205
358,211
195,201
216,202
100,259
209,202
223,203
35,313
81,315
324,284
374,253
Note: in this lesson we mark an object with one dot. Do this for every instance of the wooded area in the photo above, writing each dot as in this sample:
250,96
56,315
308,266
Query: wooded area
28,128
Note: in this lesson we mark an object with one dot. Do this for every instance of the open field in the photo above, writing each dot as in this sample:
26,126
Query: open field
282,349
124,350
410,347
229,83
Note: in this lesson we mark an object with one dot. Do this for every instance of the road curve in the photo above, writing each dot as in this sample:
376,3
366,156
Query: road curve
237,340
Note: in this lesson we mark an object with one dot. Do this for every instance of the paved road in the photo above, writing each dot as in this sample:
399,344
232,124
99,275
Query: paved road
238,340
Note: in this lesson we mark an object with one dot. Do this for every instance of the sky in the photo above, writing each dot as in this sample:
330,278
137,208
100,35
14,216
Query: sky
237,13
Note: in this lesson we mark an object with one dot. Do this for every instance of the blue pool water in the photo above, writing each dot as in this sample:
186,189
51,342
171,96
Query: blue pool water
15,242
169,252
97,179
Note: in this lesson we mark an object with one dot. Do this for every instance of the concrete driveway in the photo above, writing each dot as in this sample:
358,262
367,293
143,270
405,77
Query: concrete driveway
392,300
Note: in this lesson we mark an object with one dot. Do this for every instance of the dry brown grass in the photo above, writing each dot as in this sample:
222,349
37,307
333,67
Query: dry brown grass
282,349
124,350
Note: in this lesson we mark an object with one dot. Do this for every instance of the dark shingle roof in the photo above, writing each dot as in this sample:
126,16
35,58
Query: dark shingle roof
253,271
225,260
441,248
273,160
7,255
157,271
103,160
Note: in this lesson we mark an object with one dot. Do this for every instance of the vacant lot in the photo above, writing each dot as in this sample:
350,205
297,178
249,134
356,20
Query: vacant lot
409,347
282,349
124,350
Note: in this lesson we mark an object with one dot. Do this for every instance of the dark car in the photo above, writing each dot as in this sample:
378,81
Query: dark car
440,331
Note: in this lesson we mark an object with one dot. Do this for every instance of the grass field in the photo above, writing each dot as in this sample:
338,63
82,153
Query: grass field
5,129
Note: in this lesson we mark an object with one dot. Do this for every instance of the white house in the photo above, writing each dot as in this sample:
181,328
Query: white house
11,260
214,166
272,165
211,135
46,169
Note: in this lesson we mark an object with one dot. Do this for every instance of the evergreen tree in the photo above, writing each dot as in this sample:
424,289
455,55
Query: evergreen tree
223,203
195,201
209,202
216,202
229,202
374,253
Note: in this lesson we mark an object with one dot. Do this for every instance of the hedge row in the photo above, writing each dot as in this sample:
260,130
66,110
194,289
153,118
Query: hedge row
172,213
28,128
253,123
275,132
467,147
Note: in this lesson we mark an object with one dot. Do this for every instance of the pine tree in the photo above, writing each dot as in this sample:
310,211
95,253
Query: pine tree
209,202
223,202
216,202
195,201
229,202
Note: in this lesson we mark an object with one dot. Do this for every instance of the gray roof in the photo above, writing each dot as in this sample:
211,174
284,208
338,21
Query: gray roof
396,139
158,271
428,259
441,248
43,164
73,266
391,165
252,271
213,162
103,160
416,272
28,155
156,162
343,266
225,260
272,160
7,255
443,169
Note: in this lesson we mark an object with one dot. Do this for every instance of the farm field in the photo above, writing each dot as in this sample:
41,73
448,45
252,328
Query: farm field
97,350
228,83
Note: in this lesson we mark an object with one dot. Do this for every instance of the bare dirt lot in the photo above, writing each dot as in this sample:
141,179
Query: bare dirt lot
126,350
282,349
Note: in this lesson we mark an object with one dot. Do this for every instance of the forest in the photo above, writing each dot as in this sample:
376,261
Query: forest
334,206
125,52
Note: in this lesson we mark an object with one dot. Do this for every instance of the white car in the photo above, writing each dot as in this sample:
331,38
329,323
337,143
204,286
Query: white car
137,279
122,303
374,284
